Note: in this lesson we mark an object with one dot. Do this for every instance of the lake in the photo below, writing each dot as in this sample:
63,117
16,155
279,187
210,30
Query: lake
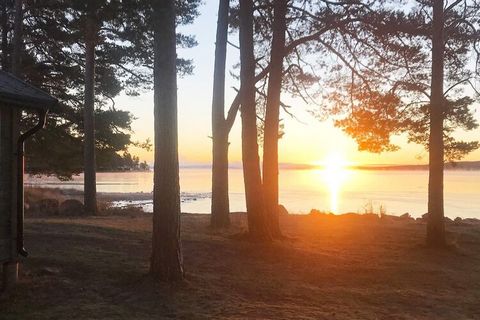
337,191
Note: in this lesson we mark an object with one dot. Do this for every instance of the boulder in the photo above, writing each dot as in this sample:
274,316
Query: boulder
47,207
282,210
405,216
71,208
446,219
458,221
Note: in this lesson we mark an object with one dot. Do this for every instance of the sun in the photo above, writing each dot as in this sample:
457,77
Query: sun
333,162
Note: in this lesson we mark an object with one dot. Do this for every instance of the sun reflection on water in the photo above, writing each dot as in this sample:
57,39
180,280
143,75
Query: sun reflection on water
334,173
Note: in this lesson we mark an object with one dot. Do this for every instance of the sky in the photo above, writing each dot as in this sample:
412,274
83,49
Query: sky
306,140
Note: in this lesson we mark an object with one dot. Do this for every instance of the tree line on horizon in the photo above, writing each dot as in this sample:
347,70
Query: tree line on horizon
377,67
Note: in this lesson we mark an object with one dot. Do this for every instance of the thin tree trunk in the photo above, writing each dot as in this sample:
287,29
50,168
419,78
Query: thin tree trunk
90,184
220,217
436,223
4,36
220,203
272,118
167,261
257,223
17,38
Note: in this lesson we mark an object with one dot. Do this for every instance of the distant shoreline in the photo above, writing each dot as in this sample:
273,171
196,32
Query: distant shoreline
459,166
423,167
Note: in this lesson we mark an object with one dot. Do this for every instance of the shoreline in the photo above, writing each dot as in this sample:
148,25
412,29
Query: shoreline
141,200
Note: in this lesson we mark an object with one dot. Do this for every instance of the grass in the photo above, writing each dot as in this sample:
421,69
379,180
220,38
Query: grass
332,267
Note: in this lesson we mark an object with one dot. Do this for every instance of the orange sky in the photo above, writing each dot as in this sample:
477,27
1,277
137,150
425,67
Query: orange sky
306,140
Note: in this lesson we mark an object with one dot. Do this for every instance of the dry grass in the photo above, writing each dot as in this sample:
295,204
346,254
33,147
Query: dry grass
347,267
34,194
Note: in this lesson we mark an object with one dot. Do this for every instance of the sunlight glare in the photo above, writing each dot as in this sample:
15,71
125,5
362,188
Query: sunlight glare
335,172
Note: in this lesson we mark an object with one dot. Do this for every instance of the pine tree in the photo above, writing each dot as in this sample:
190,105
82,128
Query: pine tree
167,260
272,117
220,127
257,222
54,60
416,53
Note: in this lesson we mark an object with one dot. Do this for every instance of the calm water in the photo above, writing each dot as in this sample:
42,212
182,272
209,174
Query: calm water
337,191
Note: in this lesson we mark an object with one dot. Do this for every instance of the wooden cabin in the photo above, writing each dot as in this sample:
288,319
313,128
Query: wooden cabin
16,96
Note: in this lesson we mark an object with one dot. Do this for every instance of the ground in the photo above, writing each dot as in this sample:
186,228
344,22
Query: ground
329,267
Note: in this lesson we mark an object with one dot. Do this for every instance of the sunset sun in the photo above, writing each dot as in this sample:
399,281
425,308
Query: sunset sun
334,162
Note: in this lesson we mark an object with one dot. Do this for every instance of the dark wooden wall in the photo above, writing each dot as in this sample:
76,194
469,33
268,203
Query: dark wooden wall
8,136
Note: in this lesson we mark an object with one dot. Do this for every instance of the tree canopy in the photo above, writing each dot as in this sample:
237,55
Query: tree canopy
53,59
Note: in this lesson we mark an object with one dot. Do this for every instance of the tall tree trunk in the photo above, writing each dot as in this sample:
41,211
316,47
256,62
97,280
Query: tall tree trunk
436,223
167,261
90,183
220,202
272,117
257,223
4,54
17,38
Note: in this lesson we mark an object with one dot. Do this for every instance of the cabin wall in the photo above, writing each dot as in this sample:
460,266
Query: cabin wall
8,138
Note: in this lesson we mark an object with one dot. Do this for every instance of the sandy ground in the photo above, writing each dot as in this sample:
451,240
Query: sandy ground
330,267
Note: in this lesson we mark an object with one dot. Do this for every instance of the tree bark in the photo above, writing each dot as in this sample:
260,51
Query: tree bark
272,118
4,36
90,183
17,38
436,223
166,261
257,223
220,202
